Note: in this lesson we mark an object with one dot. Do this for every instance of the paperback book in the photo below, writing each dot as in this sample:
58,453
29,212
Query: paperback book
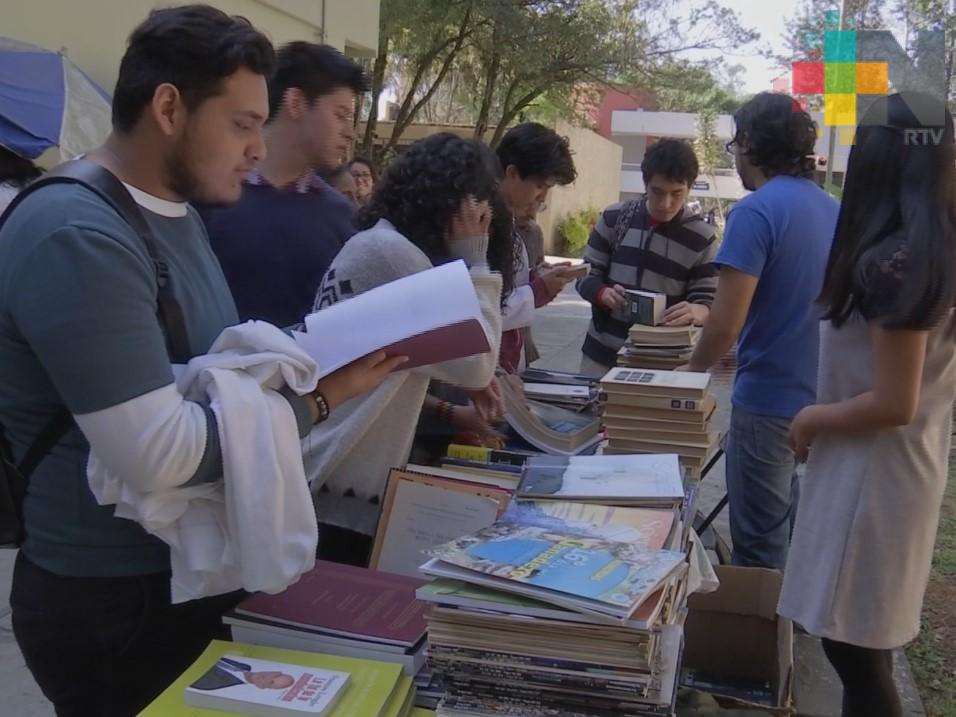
249,686
651,480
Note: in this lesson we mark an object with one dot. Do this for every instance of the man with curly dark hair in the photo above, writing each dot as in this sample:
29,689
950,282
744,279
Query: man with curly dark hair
772,263
657,243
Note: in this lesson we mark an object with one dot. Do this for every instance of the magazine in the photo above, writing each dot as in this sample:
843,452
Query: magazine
610,577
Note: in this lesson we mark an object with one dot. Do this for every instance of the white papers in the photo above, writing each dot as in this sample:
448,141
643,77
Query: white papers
439,304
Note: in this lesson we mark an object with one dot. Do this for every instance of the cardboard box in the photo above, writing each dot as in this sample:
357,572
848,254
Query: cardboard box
735,632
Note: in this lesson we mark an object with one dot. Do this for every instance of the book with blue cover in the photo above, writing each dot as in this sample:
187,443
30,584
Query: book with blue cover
576,572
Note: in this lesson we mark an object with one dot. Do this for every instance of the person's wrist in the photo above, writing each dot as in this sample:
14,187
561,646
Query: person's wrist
472,250
322,406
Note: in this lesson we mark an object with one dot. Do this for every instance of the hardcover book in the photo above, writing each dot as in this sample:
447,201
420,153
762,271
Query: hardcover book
347,601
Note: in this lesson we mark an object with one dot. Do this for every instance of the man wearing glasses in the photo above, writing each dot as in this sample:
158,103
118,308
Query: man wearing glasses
772,263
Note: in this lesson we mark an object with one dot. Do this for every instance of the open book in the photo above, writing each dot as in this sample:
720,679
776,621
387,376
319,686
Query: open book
548,428
404,318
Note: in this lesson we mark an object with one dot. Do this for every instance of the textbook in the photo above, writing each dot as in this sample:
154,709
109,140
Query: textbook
264,688
647,480
647,382
403,318
584,574
346,601
371,683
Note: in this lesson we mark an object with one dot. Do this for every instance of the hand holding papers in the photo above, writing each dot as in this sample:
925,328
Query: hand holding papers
431,316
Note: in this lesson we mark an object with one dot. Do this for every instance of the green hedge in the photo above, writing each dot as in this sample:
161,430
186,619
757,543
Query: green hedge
575,230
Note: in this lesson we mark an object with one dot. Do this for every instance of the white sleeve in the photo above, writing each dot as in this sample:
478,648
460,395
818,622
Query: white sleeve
519,309
154,441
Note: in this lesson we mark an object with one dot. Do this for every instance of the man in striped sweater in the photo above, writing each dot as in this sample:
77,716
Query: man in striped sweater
664,248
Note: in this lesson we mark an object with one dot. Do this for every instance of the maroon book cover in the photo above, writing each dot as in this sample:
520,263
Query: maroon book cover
348,601
445,343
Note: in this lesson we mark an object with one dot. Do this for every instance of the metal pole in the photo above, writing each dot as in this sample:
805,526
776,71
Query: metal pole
831,146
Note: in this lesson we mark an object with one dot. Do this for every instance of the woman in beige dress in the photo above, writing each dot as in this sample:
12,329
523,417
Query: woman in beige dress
878,439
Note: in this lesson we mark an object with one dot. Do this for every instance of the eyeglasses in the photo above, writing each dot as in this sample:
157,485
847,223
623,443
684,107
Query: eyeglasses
362,175
731,146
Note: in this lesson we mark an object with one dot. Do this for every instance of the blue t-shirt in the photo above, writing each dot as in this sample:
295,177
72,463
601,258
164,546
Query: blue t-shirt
780,234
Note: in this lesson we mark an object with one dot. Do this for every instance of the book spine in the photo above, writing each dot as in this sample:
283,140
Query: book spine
534,698
454,652
479,454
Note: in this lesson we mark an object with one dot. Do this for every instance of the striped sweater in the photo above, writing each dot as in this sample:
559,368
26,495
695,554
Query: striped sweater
675,258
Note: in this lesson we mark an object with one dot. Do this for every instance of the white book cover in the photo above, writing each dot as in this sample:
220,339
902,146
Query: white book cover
639,377
554,391
649,477
403,318
264,688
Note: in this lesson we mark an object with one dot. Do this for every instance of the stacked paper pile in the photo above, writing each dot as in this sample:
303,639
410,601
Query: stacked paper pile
570,603
650,411
659,347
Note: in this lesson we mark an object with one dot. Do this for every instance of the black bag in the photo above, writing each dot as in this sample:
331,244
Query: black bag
14,475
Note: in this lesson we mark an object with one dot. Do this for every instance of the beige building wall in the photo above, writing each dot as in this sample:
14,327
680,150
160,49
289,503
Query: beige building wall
94,32
598,185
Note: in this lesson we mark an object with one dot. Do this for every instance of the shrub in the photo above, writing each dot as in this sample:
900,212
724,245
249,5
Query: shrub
575,229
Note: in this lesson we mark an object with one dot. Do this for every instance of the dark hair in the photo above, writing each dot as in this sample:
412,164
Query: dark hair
673,159
778,136
425,185
367,163
314,69
195,48
16,170
897,224
502,249
539,152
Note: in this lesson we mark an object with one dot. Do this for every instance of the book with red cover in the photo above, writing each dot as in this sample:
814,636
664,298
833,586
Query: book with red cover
347,601
430,317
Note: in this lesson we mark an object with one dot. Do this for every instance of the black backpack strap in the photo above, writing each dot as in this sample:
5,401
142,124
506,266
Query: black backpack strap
168,311
623,223
110,189
49,437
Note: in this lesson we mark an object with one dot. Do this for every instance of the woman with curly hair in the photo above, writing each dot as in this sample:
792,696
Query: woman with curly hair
432,206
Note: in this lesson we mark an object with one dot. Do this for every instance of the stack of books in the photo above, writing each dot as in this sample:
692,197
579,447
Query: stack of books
339,610
649,411
565,607
253,680
658,347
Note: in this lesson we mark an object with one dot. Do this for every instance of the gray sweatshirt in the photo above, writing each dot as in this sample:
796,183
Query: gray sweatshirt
353,451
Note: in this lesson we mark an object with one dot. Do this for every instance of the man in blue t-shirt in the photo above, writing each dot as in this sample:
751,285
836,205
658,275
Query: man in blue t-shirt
276,243
772,263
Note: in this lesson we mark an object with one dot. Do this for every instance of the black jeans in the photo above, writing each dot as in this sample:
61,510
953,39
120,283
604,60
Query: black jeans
108,646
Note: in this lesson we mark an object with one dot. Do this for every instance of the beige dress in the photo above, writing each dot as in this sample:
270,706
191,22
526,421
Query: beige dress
869,506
